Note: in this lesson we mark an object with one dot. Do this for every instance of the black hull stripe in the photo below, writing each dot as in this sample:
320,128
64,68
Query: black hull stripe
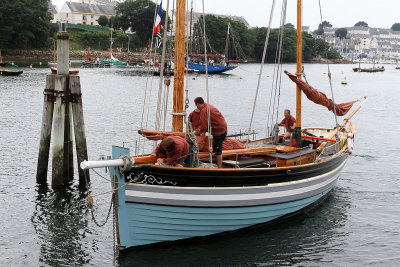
233,200
242,177
276,187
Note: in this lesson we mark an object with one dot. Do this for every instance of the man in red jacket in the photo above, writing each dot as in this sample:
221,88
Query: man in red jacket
289,122
172,150
194,118
218,126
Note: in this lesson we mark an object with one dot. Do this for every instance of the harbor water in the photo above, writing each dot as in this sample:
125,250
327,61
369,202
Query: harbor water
356,225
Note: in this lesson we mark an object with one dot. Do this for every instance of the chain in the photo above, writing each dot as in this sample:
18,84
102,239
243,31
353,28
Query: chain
114,243
90,205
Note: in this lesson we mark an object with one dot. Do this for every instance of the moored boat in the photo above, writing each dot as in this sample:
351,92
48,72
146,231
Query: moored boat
5,72
201,68
381,69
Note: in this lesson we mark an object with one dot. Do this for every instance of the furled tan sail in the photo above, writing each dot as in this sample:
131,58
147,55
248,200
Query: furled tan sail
320,98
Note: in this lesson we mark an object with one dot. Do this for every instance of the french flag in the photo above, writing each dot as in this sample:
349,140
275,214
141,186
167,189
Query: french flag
157,24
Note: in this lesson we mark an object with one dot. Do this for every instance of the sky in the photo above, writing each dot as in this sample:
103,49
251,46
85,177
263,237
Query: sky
340,13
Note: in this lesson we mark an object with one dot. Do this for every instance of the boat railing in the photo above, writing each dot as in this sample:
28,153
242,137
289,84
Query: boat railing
330,149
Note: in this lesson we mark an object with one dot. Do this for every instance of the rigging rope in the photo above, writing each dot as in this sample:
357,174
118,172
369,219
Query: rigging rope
276,83
210,149
167,82
329,71
147,71
187,66
261,68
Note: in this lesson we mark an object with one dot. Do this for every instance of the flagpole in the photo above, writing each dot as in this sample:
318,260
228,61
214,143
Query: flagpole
160,85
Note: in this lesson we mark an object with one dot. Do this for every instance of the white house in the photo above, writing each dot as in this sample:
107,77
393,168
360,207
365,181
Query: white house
53,11
85,12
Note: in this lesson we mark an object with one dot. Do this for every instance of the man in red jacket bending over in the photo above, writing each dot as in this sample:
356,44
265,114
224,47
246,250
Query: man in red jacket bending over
194,118
218,126
172,150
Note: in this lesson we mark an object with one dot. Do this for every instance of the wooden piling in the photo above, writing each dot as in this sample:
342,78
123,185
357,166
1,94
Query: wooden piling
62,53
59,131
63,112
79,127
45,133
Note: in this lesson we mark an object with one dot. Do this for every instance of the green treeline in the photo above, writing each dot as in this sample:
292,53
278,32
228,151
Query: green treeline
25,24
249,43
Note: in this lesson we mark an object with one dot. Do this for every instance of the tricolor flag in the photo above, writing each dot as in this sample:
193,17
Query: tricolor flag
157,24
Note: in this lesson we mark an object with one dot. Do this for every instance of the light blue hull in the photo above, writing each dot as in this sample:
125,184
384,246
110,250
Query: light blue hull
148,224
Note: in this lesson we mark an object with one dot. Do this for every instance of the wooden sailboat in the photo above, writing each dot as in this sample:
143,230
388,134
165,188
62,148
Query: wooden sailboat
216,64
263,183
373,69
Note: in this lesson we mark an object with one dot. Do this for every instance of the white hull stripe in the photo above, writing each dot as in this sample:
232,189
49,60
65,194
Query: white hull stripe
273,187
235,199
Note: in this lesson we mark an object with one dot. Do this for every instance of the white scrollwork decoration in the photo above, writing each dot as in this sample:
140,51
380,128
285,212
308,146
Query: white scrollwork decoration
141,178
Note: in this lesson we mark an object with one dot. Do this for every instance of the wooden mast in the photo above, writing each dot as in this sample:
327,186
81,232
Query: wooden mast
227,42
297,132
177,118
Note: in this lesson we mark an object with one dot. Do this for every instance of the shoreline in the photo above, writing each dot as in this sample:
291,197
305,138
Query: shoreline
133,56
73,55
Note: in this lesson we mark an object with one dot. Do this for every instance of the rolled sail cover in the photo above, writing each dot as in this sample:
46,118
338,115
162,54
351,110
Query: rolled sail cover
320,98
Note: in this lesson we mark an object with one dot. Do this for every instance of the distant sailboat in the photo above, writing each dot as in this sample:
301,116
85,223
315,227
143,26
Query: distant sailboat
216,64
114,61
373,69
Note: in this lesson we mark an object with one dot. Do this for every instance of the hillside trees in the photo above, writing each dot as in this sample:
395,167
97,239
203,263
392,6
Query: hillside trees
361,23
139,15
396,27
341,33
24,24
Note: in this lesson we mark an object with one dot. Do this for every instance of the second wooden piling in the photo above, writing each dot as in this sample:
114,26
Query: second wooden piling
79,127
45,133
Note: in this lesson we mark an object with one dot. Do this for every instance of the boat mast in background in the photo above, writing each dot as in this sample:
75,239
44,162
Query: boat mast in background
227,42
177,118
297,131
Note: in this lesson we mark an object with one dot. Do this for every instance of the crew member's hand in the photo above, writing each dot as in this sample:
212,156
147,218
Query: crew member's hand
160,160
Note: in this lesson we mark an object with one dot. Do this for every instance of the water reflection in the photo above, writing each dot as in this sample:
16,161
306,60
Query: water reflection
307,238
61,223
